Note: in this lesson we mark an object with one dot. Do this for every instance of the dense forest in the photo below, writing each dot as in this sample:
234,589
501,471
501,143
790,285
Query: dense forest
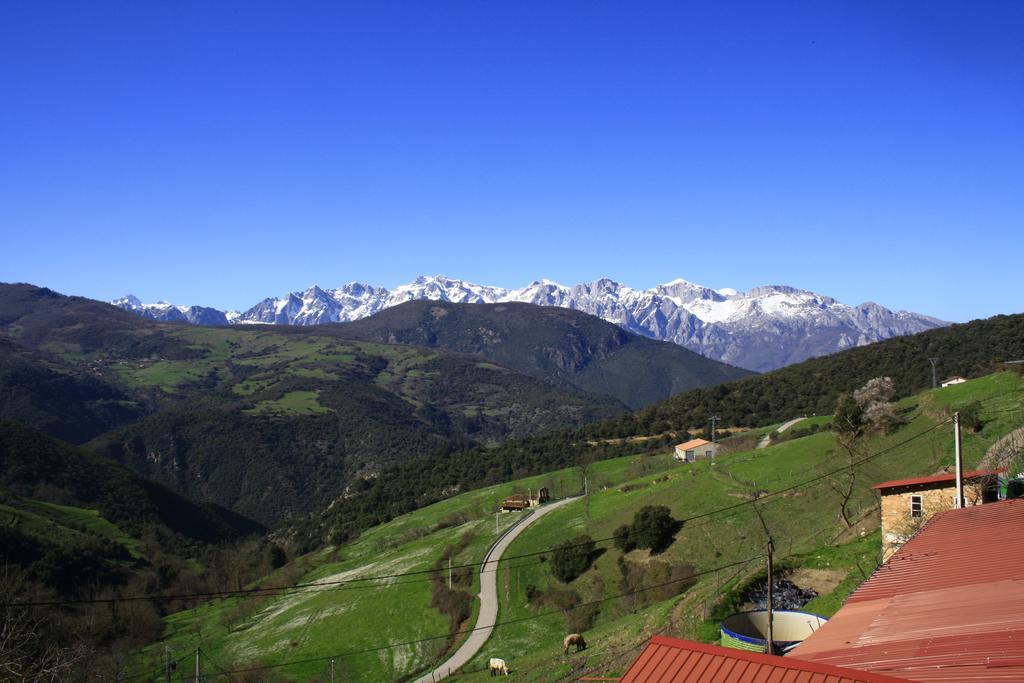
559,345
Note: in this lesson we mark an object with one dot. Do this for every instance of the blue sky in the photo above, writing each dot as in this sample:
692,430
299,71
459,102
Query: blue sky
217,153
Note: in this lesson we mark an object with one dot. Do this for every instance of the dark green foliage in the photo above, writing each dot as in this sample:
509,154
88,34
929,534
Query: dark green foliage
571,558
561,346
653,528
65,402
624,540
34,466
970,417
276,557
197,420
813,387
849,417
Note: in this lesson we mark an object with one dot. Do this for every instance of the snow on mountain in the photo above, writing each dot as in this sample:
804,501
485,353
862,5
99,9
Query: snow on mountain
167,312
762,329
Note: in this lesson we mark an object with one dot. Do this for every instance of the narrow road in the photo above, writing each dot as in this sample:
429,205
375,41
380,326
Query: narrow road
488,596
782,427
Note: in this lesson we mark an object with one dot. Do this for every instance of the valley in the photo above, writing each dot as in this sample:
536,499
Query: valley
793,484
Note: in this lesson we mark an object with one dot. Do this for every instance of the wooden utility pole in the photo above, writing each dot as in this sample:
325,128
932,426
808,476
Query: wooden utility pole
771,607
959,461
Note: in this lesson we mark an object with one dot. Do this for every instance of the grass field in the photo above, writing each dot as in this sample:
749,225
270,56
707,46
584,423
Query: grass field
64,523
805,522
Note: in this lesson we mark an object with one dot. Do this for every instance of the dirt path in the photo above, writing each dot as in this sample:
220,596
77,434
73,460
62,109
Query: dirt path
488,616
782,427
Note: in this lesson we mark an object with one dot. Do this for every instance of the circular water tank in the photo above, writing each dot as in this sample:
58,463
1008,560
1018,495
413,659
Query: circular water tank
749,630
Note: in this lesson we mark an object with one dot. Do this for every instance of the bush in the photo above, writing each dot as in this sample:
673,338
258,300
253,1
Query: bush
970,417
653,528
624,540
571,558
849,416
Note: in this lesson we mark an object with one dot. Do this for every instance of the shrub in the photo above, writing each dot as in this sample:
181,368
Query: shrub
970,417
571,558
624,538
653,528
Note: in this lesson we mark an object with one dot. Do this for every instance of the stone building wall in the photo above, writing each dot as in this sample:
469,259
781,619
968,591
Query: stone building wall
898,526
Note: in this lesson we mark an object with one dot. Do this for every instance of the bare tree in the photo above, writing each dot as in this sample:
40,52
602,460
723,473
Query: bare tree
26,651
844,483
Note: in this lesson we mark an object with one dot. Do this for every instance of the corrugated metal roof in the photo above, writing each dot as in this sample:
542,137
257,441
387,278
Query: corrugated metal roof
948,606
693,443
935,479
668,660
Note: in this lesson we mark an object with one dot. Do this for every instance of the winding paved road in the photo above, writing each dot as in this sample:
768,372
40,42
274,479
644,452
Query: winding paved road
488,596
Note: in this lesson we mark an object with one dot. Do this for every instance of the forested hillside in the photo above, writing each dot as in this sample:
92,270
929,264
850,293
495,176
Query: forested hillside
265,421
810,387
559,345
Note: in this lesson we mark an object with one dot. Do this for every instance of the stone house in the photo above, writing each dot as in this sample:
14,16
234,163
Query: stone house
696,449
908,503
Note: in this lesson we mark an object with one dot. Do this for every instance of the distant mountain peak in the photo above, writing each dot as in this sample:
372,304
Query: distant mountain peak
762,329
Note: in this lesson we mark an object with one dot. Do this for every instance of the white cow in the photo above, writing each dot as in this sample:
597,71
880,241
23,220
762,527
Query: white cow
498,666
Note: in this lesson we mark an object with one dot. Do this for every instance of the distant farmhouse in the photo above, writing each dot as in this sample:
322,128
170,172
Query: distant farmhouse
696,449
519,501
956,379
908,503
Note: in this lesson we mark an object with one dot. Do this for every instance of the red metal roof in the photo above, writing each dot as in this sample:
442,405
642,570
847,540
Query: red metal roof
948,606
693,443
669,660
935,479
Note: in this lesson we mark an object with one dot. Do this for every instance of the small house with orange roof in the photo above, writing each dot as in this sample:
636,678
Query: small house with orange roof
696,449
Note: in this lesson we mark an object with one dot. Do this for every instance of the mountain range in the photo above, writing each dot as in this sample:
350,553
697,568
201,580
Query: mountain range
762,329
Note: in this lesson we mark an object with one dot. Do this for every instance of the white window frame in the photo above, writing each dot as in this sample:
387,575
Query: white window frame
919,499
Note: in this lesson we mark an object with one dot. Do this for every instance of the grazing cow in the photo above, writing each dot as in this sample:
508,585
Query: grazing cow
574,639
498,667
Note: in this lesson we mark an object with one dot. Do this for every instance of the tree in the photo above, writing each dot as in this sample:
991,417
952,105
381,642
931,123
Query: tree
878,413
849,416
571,558
653,527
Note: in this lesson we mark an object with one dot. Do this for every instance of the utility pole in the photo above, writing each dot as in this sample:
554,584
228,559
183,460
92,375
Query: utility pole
197,665
449,572
167,665
935,381
959,461
714,419
771,607
332,669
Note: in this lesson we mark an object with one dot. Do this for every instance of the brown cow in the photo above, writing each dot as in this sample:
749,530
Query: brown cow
574,639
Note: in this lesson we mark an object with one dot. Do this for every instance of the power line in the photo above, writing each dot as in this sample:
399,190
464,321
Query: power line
330,585
540,615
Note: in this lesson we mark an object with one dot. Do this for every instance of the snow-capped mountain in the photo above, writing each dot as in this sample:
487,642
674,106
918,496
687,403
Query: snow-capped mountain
762,329
161,310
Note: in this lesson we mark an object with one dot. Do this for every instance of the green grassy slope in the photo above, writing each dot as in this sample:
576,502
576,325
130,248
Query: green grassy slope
805,523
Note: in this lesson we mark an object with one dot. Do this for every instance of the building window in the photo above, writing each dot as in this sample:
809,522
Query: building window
915,506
